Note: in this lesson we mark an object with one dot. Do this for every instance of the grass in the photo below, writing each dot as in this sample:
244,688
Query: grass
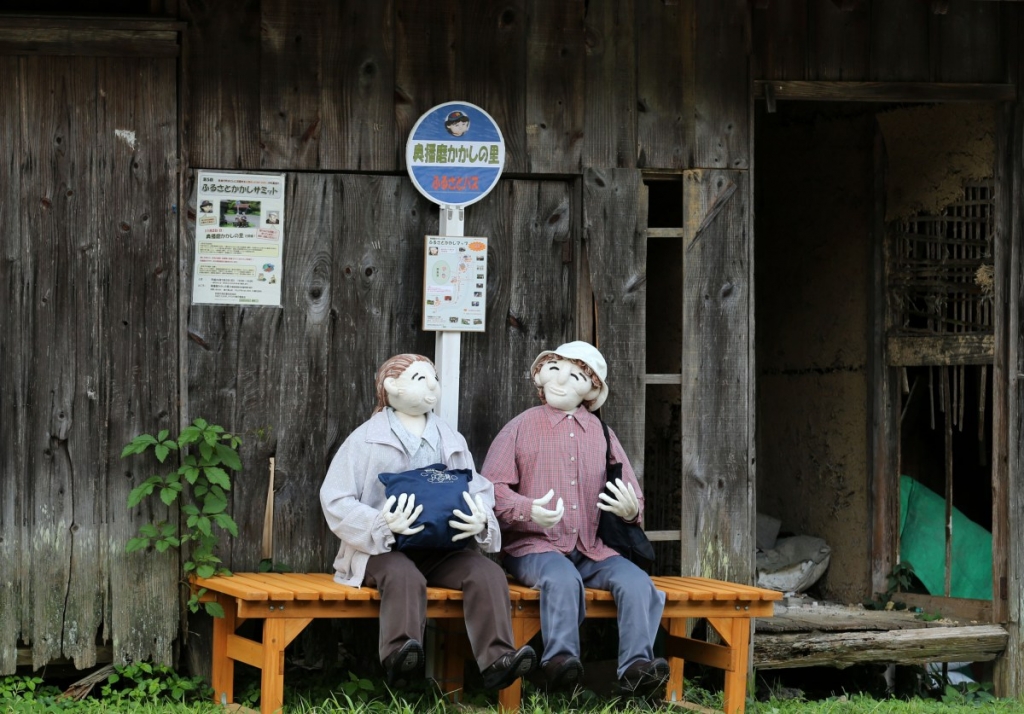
146,689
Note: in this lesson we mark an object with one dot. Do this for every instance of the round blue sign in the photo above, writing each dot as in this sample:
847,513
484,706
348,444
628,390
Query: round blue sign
455,154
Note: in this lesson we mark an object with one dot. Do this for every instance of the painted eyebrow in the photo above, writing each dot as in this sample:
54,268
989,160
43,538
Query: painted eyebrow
576,375
418,377
553,366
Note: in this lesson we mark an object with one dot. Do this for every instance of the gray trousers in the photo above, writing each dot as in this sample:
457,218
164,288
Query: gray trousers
561,580
402,579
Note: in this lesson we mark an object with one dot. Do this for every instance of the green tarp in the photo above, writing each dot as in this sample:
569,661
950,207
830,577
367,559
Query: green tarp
923,544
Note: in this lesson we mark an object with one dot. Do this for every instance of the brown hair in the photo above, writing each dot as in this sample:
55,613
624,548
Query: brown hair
547,359
393,367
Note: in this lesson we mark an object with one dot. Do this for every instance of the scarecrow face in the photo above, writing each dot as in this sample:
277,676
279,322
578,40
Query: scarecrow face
414,391
565,385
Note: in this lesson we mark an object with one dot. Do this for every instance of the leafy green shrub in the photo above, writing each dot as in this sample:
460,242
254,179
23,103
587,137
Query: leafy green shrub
201,481
145,682
24,688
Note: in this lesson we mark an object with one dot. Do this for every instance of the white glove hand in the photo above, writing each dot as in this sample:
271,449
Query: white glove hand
405,514
473,522
543,517
623,501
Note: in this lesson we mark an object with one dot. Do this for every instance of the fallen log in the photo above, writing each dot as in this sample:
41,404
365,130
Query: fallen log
976,643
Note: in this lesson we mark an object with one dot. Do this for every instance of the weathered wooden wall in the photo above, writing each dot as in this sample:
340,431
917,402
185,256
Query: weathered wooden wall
88,356
101,342
883,40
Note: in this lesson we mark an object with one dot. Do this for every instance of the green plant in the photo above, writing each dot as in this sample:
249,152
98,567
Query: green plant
25,688
201,482
142,681
968,694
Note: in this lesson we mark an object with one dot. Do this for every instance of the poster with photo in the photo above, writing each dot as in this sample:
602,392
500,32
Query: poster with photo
239,239
455,284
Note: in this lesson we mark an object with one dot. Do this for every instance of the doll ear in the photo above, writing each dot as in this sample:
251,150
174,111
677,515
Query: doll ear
536,378
390,386
592,394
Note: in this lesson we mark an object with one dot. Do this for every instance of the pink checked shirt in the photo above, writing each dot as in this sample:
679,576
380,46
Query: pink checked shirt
541,449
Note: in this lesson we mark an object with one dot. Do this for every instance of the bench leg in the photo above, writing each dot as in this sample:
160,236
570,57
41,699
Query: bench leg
523,629
735,631
223,670
272,681
674,690
454,652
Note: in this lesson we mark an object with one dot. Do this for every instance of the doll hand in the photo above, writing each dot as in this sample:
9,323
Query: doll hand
623,501
473,522
405,514
543,517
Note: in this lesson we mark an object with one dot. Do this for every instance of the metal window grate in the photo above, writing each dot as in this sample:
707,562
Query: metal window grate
941,268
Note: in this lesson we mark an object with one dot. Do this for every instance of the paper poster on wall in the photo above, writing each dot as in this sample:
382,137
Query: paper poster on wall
239,239
455,284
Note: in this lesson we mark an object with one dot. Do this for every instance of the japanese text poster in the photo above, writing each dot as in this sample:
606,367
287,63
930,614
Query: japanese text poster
239,239
454,284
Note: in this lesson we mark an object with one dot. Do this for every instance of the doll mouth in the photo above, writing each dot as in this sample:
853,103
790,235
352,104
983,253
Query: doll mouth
556,391
430,399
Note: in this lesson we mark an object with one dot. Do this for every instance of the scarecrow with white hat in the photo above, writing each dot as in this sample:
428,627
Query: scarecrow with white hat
555,453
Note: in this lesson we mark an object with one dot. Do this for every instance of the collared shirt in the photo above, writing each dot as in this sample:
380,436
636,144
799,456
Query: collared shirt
423,450
542,449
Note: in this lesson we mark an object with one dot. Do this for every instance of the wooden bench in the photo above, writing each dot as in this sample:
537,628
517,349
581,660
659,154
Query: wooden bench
288,602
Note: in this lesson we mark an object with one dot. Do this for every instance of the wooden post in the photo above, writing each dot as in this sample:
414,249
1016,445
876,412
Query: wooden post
448,345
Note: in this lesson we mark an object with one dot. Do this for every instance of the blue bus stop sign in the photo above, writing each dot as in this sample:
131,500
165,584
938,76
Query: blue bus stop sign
455,154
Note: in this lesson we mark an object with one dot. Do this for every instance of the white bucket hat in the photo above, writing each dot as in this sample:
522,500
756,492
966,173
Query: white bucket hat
588,355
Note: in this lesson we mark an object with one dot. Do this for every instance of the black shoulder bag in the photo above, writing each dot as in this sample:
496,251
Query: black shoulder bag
628,539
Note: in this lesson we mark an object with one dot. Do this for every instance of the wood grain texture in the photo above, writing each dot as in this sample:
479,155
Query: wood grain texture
722,85
358,97
968,44
780,39
717,501
16,281
139,248
609,139
291,57
900,41
615,240
221,98
554,81
838,41
665,84
92,250
532,227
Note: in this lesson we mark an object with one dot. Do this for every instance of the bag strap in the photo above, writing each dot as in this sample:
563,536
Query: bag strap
607,448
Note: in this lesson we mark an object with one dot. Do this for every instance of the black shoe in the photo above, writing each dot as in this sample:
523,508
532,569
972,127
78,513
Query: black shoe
509,667
562,672
642,679
403,664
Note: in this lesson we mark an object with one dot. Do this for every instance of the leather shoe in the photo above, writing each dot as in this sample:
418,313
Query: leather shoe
401,665
642,679
509,667
562,672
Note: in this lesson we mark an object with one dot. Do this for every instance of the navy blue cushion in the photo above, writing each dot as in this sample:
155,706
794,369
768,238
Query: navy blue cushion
439,490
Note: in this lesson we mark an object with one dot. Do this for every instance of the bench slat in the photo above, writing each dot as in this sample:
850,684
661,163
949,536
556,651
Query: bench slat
299,589
273,591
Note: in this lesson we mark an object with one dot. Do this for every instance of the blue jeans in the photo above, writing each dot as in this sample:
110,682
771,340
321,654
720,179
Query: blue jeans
561,580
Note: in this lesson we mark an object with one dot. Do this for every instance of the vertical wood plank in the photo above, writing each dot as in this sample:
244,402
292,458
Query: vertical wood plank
885,395
717,490
722,97
490,70
358,87
609,139
533,238
221,95
16,282
838,42
900,41
970,43
377,282
781,39
424,62
554,71
58,128
1007,385
299,527
615,230
291,57
665,46
138,183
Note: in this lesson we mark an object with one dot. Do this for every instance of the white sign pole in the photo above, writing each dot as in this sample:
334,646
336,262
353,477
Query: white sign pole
448,345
